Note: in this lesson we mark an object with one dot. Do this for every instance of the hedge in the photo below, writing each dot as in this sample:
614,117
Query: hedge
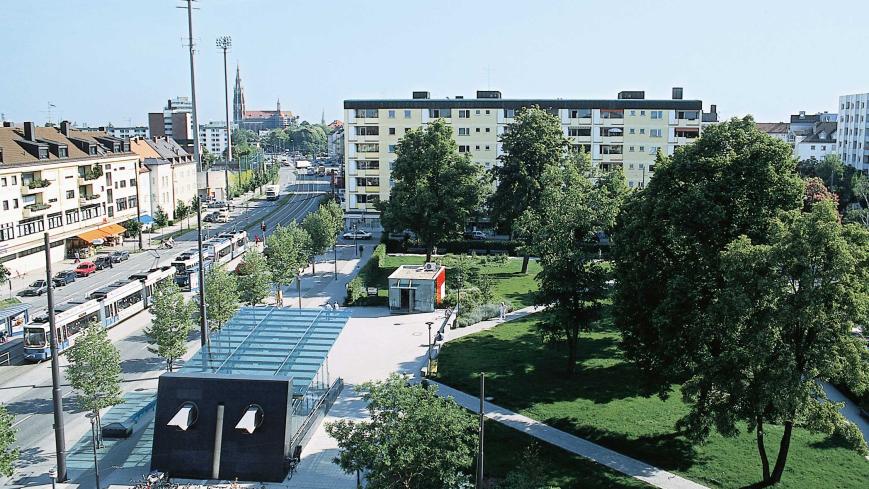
459,247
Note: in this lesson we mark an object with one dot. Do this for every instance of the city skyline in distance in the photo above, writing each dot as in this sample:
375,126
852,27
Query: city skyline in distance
101,63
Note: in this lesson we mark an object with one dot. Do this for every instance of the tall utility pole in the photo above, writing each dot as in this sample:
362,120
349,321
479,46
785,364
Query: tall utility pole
197,156
59,438
224,43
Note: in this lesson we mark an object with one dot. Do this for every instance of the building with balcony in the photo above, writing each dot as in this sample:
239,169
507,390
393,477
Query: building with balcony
852,139
176,122
79,186
214,137
626,132
171,174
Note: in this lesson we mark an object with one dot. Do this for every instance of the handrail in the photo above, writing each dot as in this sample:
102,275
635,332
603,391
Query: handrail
7,360
303,338
242,342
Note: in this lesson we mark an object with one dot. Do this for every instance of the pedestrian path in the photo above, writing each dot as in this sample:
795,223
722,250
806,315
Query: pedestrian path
850,410
574,444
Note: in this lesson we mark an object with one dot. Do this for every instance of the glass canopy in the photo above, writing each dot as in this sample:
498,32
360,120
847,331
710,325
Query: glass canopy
271,341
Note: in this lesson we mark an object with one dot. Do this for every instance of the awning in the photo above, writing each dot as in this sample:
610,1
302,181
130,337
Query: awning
92,235
102,233
146,219
113,229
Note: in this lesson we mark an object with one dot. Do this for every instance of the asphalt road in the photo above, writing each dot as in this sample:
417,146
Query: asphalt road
26,389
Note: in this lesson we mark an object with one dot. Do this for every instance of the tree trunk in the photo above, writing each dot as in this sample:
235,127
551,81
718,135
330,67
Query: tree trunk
782,453
525,259
428,249
314,266
764,461
572,348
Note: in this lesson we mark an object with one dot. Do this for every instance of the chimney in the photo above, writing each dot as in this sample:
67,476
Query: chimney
802,114
64,128
677,93
7,123
713,109
421,95
29,132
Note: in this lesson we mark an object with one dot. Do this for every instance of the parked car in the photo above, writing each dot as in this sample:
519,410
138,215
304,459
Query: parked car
475,235
85,268
36,288
119,256
357,235
62,278
103,261
211,217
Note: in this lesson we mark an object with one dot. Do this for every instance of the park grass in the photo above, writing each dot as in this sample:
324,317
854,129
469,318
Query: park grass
510,284
605,402
505,447
9,301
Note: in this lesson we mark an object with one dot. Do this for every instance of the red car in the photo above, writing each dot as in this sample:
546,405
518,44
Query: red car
85,268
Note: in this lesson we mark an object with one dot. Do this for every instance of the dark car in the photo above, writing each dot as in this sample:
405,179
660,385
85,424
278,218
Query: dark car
119,256
211,217
62,278
36,288
475,235
102,262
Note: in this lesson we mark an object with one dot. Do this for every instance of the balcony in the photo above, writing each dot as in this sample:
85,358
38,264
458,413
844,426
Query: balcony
34,210
84,200
89,174
34,186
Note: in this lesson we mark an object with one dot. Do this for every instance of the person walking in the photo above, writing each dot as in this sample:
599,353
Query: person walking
502,309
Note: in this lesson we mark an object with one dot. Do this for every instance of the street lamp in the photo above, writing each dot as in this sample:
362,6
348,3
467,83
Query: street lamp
93,418
428,370
224,43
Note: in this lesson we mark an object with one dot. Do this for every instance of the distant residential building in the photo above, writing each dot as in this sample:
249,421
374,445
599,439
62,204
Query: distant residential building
625,133
818,143
176,122
778,130
119,131
803,125
852,137
335,144
257,120
77,185
171,173
214,137
810,135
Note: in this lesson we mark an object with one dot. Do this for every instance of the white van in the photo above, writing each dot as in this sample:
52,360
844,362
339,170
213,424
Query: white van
223,215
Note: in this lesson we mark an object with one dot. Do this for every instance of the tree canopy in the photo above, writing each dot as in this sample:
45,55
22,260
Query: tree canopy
221,297
436,189
171,322
287,250
8,453
414,438
95,369
254,278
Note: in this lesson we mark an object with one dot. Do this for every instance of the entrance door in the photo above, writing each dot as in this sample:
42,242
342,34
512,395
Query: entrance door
405,300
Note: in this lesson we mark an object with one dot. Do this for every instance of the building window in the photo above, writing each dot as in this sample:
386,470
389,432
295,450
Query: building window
367,164
509,113
72,216
642,112
391,148
364,113
612,114
633,112
391,114
657,114
488,129
367,131
367,198
121,204
368,181
477,148
642,130
439,113
633,131
31,226
464,149
14,180
55,220
367,147
631,149
392,131
465,114
579,131
407,114
464,131
610,149
655,133
406,130
580,114
488,147
6,232
91,212
586,148
642,149
132,182
14,203
5,205
3,181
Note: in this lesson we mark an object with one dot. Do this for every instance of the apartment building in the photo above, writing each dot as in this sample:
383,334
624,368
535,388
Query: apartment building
171,173
79,186
120,132
176,122
810,135
852,136
625,132
214,137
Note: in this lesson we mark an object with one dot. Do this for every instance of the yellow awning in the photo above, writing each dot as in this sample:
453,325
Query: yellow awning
90,236
113,229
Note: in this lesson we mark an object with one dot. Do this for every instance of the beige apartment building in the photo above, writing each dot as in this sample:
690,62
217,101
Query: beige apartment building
79,186
626,132
169,174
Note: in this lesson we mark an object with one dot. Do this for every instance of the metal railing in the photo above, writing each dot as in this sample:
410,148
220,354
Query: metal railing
5,358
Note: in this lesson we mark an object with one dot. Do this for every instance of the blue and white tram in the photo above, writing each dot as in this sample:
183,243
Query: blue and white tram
119,301
70,318
152,279
219,249
239,242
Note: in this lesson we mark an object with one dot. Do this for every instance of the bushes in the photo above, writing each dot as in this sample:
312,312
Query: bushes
370,275
455,246
355,291
481,313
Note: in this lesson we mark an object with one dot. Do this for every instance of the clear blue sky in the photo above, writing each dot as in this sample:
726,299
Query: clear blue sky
114,61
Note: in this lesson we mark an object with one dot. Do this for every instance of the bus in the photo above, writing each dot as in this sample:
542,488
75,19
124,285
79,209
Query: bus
272,192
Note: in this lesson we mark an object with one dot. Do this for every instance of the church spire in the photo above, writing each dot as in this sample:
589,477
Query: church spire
279,105
238,108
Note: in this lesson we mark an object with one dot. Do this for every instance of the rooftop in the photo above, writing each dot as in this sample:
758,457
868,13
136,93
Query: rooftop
14,144
773,127
273,342
416,272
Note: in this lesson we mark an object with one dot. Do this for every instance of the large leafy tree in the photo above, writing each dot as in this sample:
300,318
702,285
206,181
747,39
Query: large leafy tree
8,453
221,296
94,370
287,251
414,438
531,144
787,308
731,181
436,189
172,321
254,278
562,231
320,227
860,190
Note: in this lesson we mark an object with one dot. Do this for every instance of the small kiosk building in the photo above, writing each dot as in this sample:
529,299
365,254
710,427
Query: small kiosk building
416,288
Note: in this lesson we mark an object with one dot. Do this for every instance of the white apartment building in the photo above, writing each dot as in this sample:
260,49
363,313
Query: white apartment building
853,137
78,186
214,137
626,132
120,132
171,174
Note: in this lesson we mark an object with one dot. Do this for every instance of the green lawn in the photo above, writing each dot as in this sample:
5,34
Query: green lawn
506,446
605,402
9,301
511,285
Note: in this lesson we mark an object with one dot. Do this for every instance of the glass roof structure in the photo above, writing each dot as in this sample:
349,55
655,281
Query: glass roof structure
272,342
